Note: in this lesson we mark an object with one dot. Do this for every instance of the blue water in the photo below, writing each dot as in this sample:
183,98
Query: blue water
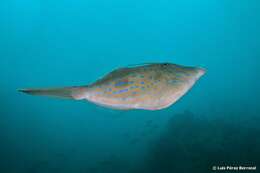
67,43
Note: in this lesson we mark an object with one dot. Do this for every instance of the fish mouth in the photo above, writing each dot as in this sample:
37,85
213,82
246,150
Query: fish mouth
201,72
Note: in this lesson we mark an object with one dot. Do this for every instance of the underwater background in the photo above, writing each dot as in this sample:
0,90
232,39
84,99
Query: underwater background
66,43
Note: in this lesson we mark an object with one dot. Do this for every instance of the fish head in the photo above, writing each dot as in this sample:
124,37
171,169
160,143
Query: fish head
177,80
182,72
195,72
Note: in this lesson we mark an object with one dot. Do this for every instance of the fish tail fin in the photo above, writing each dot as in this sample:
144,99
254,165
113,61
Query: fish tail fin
76,93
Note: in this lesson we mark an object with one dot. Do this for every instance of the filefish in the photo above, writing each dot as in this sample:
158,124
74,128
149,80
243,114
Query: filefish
151,86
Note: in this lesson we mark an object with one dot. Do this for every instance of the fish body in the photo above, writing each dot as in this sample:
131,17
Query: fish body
149,87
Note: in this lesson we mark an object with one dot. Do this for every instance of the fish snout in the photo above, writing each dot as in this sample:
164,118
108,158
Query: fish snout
200,72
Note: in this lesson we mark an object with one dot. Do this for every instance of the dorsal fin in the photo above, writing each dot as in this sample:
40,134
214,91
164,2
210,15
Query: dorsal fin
140,64
127,68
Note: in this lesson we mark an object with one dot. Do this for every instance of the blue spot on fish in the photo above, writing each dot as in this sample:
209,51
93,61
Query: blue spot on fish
120,83
124,90
99,92
134,86
142,82
120,91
